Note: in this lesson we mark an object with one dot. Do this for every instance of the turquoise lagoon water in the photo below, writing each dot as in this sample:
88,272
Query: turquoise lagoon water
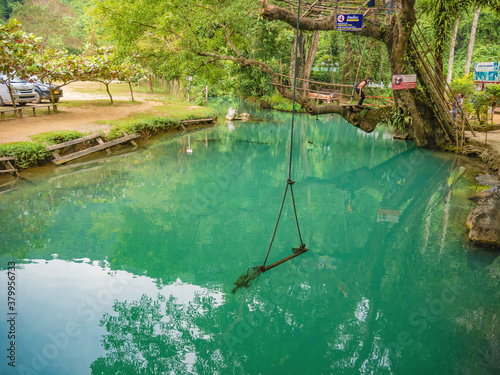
126,266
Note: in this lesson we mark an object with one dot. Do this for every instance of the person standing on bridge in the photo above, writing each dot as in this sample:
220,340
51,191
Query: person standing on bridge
359,86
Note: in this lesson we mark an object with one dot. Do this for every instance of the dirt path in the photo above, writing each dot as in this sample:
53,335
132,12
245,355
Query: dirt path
69,118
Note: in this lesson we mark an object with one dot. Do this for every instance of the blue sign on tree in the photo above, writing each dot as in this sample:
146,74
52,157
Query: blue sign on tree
349,22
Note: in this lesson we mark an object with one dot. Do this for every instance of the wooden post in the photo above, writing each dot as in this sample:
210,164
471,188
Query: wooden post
206,94
281,72
267,268
101,142
463,131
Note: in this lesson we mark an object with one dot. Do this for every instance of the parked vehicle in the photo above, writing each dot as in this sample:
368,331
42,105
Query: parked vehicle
42,92
22,91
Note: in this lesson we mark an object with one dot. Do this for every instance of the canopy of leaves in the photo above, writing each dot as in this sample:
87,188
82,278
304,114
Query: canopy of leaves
168,34
18,50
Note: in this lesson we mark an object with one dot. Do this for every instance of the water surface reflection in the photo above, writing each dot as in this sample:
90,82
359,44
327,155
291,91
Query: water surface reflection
139,255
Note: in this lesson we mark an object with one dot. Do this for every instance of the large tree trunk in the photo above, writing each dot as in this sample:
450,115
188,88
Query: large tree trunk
306,54
419,104
423,105
176,89
150,82
106,83
297,55
452,50
310,56
346,68
471,41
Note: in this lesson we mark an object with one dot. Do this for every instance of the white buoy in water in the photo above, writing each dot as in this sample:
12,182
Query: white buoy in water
189,149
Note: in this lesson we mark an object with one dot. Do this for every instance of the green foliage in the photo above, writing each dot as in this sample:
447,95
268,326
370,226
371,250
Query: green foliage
58,136
164,117
281,104
494,92
485,100
17,51
6,8
146,125
478,102
169,38
486,47
464,85
27,154
398,120
57,65
482,103
338,57
100,64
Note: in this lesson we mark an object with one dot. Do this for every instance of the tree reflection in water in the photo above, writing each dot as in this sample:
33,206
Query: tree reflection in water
160,336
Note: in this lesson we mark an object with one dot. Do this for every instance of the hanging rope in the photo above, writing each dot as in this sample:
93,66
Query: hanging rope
359,67
239,95
252,273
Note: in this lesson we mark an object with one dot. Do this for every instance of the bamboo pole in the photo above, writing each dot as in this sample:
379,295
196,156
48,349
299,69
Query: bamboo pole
319,82
359,66
267,268
438,68
437,108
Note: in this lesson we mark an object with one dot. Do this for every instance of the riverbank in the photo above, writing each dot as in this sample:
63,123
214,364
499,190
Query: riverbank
85,110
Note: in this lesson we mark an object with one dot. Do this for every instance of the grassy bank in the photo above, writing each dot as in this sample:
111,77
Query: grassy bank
163,118
168,115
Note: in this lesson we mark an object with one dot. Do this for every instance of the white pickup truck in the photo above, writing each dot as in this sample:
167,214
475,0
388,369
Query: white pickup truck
22,91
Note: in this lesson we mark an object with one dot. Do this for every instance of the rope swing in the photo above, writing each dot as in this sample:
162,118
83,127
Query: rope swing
252,273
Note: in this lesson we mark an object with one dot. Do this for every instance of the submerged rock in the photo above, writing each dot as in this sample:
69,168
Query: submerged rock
243,116
477,197
486,179
484,221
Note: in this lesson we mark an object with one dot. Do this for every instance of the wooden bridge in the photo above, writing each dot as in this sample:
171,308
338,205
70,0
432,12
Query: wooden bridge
58,159
7,165
333,92
377,12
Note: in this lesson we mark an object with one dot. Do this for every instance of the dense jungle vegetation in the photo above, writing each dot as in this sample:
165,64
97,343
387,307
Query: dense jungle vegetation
157,32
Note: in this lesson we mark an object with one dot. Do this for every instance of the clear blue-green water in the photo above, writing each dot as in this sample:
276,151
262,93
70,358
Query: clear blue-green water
126,266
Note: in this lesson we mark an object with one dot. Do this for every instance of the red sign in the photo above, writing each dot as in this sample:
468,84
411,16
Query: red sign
403,82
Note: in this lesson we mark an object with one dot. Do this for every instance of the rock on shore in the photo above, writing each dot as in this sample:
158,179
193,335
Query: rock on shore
484,221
